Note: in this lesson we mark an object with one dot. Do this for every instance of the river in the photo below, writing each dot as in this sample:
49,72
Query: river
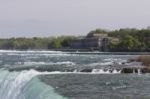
57,75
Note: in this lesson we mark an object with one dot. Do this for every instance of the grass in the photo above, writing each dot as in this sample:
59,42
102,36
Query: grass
144,59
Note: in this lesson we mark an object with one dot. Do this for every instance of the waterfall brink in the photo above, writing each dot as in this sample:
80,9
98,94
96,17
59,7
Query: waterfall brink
25,85
11,83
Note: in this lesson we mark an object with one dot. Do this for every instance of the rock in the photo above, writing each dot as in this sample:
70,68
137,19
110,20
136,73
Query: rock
86,70
135,70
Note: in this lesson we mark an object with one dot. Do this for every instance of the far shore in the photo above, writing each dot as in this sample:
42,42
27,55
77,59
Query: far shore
82,51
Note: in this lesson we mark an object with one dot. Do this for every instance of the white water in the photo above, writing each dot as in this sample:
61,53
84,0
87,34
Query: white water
30,51
139,71
48,63
13,84
102,71
23,85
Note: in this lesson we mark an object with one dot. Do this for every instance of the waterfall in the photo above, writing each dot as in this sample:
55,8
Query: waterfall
22,85
11,83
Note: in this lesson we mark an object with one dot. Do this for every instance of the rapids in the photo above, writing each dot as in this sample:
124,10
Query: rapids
63,75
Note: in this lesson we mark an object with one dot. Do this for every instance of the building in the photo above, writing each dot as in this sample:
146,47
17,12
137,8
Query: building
94,41
114,40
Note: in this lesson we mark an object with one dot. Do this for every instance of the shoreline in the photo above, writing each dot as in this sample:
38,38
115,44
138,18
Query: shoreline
80,52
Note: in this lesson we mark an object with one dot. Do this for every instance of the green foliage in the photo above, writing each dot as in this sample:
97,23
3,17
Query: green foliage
97,31
36,43
56,43
129,43
67,40
131,40
123,32
113,46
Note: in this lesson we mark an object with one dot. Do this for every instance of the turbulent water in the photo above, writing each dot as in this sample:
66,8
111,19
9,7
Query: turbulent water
60,75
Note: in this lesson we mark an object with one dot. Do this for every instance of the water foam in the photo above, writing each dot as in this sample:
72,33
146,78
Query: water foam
14,84
48,63
30,51
108,71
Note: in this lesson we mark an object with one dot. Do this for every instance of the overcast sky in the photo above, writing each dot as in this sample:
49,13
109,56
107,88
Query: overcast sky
28,18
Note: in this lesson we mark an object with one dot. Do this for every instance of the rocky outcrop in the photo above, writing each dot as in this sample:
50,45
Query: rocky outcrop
135,70
86,70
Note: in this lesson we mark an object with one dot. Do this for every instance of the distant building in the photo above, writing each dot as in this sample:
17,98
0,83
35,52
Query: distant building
99,35
96,41
114,40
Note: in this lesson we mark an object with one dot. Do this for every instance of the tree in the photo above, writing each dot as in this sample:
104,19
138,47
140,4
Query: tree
66,41
97,31
56,43
129,43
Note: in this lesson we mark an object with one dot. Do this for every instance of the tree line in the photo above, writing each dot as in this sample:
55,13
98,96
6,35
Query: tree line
130,39
36,43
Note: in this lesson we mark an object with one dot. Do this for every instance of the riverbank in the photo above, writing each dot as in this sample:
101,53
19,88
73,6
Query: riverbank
142,67
144,59
86,52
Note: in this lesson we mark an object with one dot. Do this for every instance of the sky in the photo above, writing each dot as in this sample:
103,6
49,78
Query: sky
44,18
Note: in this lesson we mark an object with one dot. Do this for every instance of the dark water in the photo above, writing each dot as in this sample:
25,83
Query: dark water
57,75
95,86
